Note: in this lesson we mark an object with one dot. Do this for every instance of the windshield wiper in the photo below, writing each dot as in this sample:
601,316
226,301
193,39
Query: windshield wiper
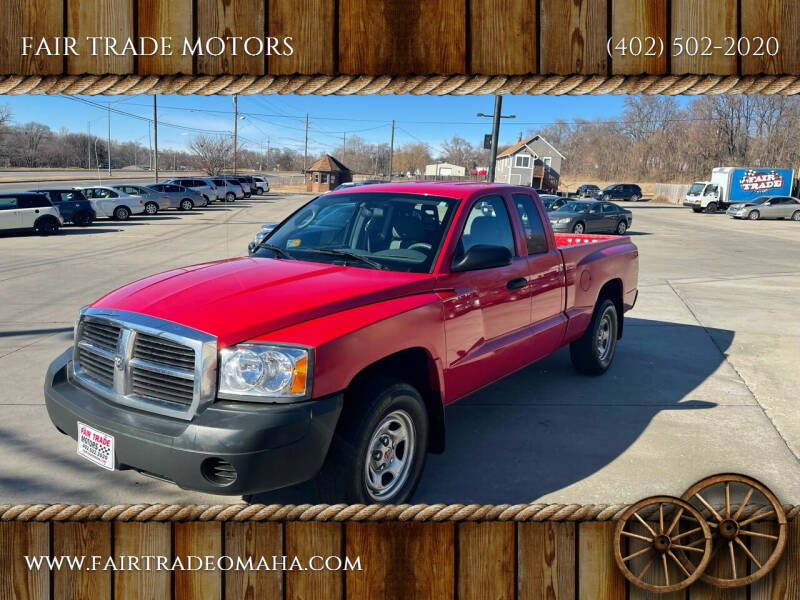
277,250
348,254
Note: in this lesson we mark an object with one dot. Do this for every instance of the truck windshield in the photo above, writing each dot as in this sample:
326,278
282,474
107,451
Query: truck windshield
696,189
396,232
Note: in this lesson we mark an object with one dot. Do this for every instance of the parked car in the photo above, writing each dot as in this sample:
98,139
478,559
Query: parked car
112,203
552,202
248,190
104,165
620,191
153,199
767,207
261,183
202,185
250,182
29,210
228,189
73,206
587,190
351,184
186,198
591,216
333,350
265,230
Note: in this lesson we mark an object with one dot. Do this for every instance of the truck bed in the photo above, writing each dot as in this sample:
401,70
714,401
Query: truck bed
564,240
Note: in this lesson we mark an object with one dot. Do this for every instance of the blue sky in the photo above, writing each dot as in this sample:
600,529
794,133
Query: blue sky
431,119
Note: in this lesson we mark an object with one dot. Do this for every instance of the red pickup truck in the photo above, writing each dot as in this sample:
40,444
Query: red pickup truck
334,347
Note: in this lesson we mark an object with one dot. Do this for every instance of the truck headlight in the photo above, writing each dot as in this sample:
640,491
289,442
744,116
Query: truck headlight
256,371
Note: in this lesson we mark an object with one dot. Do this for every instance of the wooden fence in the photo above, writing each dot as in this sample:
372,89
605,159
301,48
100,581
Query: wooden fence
400,37
670,192
405,560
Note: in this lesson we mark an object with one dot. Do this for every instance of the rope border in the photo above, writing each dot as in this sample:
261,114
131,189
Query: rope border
437,85
324,512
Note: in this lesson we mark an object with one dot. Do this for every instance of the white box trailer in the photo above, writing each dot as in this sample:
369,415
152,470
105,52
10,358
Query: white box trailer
729,185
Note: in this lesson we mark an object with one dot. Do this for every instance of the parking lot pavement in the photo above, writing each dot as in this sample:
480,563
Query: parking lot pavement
703,381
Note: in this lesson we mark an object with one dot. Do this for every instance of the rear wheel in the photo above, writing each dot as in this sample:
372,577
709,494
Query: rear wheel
579,228
230,197
796,215
47,226
712,207
593,353
635,198
379,448
754,215
82,219
151,208
122,213
187,204
622,227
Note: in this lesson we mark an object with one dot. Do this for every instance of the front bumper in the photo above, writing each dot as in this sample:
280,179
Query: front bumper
691,204
269,445
565,228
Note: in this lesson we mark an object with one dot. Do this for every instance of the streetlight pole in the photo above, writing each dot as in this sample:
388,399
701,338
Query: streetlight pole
235,128
498,106
109,139
155,136
391,153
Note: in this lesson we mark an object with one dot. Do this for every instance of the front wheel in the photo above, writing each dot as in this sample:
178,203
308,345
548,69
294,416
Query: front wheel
593,353
122,213
796,215
696,209
230,197
187,204
622,227
151,208
754,215
379,448
47,226
579,228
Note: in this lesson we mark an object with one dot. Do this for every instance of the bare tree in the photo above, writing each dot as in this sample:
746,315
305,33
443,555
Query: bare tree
213,153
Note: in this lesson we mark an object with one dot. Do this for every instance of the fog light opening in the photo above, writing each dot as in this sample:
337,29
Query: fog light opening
218,471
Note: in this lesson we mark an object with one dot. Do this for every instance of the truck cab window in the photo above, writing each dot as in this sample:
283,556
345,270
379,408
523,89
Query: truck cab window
535,240
487,224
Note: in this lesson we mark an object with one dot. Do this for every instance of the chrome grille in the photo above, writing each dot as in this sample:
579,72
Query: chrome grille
163,352
144,362
102,334
97,366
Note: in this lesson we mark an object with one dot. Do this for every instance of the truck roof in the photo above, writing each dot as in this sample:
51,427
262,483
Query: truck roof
448,189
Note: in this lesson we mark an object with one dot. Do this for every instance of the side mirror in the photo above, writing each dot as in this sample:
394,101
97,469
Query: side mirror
482,257
251,248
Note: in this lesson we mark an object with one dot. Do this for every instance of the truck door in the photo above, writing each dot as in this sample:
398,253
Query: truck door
487,317
545,281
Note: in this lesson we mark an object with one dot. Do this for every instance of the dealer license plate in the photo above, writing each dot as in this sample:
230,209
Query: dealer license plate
96,446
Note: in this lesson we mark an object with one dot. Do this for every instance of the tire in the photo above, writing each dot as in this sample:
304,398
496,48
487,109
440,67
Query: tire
795,215
696,209
754,215
359,446
82,219
151,208
46,226
186,204
122,213
230,197
579,228
712,207
622,227
635,198
593,353
606,198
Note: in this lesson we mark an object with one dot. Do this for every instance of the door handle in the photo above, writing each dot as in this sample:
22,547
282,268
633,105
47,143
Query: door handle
517,284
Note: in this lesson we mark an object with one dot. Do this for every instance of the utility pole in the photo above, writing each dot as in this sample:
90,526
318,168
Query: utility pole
109,139
305,151
235,128
391,153
498,105
155,136
89,144
267,153
344,145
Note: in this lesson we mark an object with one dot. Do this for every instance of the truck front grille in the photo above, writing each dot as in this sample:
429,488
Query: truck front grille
145,362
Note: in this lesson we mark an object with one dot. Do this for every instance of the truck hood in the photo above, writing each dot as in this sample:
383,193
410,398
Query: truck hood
244,298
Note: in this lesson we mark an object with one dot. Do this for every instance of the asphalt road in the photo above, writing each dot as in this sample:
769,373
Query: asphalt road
704,381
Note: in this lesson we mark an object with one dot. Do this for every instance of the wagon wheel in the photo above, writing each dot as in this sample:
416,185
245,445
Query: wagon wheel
742,502
676,526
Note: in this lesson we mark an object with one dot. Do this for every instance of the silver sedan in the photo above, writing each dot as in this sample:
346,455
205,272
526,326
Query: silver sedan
153,199
767,207
186,198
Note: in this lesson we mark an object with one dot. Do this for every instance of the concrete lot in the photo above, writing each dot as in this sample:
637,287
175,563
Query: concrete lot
704,381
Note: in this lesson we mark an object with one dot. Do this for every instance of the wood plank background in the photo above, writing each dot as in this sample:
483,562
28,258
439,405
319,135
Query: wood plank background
400,37
399,560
